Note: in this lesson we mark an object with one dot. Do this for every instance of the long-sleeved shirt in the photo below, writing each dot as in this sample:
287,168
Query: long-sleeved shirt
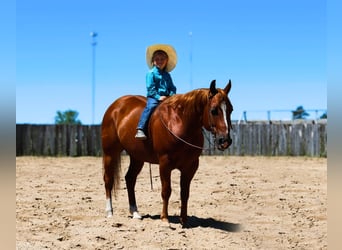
159,83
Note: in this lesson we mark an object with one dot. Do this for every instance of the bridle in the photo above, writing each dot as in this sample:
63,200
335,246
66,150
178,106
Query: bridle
188,143
210,118
179,138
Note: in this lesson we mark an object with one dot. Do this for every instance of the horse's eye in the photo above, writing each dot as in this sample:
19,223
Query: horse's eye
214,111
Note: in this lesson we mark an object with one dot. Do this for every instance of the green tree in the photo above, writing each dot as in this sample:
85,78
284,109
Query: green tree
67,117
324,116
299,113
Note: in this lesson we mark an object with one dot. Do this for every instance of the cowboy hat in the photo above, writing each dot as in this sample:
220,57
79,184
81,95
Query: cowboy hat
168,49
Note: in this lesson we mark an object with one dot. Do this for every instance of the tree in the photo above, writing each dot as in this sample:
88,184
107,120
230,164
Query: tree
324,116
299,113
67,117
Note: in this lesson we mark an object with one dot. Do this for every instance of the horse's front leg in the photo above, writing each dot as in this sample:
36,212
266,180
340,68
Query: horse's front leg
131,178
186,177
165,177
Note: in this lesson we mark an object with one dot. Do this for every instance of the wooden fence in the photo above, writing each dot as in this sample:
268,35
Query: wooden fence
305,138
58,140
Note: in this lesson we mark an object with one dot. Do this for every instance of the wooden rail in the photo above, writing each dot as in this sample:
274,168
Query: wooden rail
299,138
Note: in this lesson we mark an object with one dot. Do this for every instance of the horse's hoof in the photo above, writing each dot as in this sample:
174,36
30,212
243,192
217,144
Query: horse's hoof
164,223
165,220
109,214
184,222
136,215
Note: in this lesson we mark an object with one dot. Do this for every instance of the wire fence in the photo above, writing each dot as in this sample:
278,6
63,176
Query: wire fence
279,115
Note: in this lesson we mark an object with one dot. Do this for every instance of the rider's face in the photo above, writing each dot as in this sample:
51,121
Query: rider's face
160,60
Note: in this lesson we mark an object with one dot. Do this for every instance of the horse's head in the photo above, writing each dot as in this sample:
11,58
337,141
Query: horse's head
218,111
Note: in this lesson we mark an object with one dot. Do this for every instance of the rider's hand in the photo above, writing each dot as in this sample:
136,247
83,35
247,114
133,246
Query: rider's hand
162,98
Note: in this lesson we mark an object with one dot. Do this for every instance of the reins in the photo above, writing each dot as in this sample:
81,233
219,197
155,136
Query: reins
181,139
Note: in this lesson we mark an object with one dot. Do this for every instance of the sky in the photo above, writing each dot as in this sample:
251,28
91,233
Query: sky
274,52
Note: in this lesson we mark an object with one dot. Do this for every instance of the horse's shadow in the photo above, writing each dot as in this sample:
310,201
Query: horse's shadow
194,221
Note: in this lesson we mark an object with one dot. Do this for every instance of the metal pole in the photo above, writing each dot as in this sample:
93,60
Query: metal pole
190,35
93,35
151,182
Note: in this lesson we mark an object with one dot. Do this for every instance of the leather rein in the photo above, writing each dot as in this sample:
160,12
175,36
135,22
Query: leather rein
186,142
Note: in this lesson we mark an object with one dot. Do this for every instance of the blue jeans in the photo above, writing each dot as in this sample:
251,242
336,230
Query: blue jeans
145,116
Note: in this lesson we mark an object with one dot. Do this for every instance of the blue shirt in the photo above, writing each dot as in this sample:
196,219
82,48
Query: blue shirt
159,83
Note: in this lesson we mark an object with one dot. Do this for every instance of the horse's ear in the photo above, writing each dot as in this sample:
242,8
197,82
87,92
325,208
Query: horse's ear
213,90
228,87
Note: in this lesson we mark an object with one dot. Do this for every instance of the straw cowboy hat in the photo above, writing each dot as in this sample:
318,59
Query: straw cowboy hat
169,50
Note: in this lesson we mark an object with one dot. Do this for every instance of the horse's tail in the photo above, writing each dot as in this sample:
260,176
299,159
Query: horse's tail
111,158
112,171
116,173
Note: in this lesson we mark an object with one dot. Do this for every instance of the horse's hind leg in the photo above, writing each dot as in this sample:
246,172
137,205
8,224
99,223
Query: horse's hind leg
134,169
111,177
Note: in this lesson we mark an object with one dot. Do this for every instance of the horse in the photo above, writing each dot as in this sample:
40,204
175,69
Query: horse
175,140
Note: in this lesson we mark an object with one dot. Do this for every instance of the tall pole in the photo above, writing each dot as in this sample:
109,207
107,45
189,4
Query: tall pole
93,44
190,58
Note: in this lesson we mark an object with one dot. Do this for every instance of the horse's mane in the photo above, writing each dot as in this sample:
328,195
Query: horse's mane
188,103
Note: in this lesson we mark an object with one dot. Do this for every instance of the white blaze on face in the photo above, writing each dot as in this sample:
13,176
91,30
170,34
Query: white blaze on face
224,110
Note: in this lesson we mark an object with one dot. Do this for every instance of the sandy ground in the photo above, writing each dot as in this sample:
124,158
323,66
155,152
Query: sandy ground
235,203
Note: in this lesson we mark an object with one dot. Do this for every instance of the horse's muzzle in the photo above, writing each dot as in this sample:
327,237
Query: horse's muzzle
224,142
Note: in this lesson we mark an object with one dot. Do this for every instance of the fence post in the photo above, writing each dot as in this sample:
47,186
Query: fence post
251,138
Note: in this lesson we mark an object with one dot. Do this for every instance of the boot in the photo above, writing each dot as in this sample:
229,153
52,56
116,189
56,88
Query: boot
140,135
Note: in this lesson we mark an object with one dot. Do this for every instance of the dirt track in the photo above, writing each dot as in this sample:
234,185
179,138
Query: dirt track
235,203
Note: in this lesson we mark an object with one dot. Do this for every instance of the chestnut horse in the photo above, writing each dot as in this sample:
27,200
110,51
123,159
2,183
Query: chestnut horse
175,140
